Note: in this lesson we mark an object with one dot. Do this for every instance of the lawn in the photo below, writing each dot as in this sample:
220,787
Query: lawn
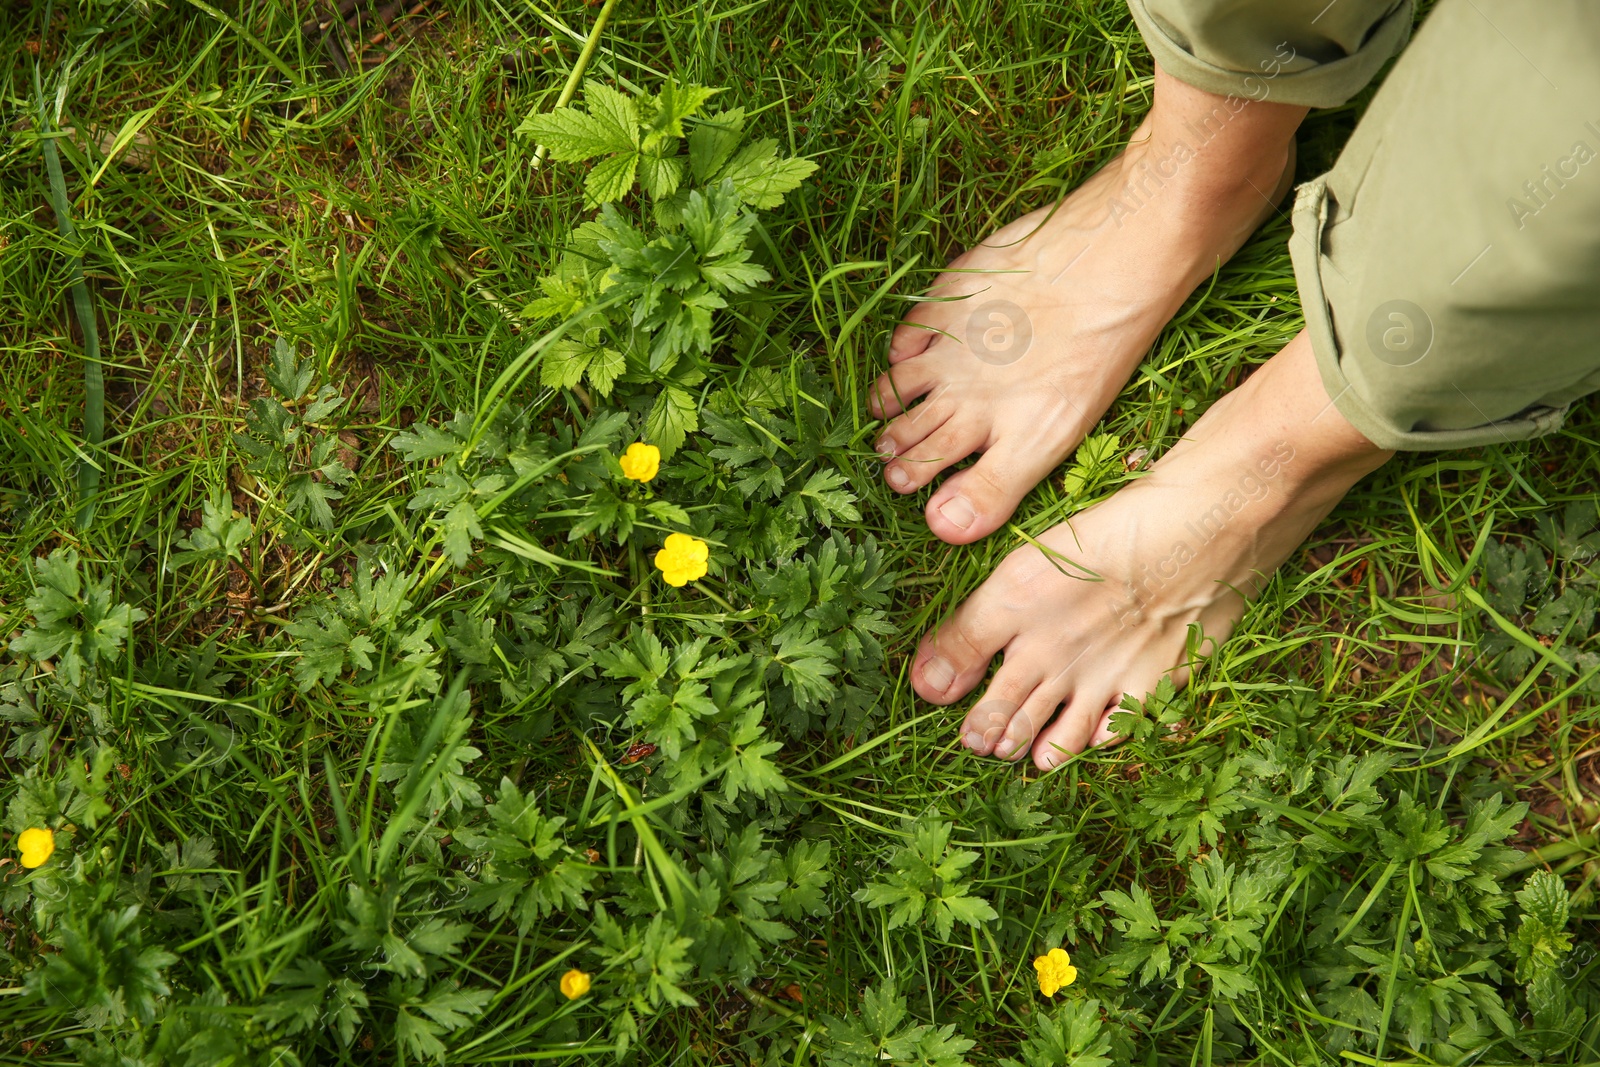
351,715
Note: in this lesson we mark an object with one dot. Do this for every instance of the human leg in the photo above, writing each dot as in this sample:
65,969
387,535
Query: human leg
1450,301
1026,340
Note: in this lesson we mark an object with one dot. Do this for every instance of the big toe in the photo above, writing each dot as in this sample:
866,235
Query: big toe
974,503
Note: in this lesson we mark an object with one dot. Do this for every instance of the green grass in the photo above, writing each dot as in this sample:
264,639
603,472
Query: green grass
389,224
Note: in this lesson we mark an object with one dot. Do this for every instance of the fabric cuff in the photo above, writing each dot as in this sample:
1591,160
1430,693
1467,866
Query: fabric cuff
1322,85
1305,251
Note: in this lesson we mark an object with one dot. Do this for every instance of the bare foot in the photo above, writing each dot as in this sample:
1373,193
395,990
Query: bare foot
1178,551
1027,338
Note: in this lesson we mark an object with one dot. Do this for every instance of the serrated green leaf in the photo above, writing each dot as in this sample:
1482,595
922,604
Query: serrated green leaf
760,178
713,142
610,179
672,418
660,176
571,136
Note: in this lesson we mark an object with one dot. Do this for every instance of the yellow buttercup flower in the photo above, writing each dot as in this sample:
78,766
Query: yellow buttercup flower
682,559
574,984
640,462
37,845
1055,971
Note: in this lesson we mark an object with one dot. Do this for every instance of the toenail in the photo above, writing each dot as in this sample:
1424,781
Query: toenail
937,673
973,740
886,448
958,511
899,478
1005,748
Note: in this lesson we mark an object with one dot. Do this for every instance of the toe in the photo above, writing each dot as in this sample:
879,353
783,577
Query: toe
911,428
914,333
1072,731
930,318
1103,733
986,724
893,392
1030,720
915,467
939,313
954,656
976,502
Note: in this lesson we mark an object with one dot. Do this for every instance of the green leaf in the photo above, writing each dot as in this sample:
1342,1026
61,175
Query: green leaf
78,627
668,109
460,526
672,418
219,536
616,111
529,871
760,178
420,1021
1069,1036
1229,981
287,374
805,870
1095,456
660,176
612,125
425,443
1135,912
610,179
667,512
313,998
971,910
604,368
827,498
753,772
876,1037
1541,940
564,363
713,142
926,880
101,971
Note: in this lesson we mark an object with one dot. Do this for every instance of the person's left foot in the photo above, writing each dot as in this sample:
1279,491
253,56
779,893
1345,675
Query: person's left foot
1027,338
1111,610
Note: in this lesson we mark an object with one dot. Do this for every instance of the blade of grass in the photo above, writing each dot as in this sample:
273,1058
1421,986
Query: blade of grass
94,385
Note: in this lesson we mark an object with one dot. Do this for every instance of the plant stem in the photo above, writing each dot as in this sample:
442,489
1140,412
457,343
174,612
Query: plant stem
590,44
710,593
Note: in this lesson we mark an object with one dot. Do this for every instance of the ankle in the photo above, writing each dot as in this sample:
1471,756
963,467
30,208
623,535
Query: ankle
1221,144
1282,411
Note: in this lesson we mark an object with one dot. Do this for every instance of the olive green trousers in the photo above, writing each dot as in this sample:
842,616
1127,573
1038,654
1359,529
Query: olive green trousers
1449,263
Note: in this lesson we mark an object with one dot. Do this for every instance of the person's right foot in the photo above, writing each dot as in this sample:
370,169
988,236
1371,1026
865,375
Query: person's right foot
1026,339
1132,581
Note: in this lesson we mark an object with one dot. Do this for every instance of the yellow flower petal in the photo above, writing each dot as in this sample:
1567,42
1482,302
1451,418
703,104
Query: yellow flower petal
574,984
37,845
682,559
1055,971
641,462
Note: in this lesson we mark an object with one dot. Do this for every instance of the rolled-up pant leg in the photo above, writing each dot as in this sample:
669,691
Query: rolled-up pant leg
1312,53
1449,264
